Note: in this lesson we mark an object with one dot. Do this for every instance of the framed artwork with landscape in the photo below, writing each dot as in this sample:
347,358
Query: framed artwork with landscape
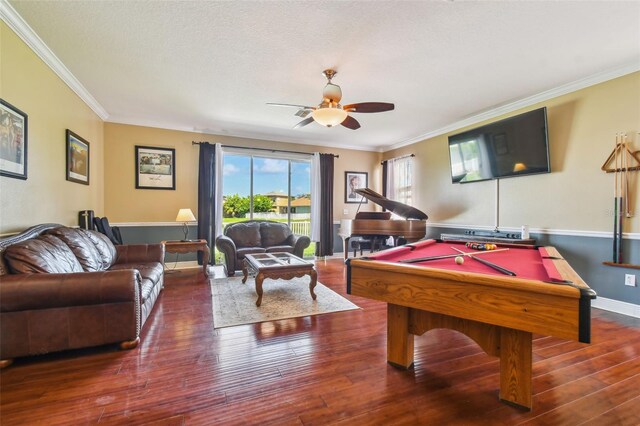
353,181
77,158
13,141
155,168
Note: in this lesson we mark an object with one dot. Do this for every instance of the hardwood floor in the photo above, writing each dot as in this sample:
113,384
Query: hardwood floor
327,369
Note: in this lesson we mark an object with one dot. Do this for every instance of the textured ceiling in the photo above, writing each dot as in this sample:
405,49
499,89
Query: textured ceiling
211,66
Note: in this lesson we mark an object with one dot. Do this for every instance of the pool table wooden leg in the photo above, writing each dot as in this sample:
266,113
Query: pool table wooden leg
515,367
399,340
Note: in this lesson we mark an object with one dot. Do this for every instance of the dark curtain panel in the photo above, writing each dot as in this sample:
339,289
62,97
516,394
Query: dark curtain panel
324,247
385,165
206,198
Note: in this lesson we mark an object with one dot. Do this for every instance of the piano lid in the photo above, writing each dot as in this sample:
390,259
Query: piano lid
395,207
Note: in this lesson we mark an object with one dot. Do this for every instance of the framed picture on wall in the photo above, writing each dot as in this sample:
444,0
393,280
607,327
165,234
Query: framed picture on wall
13,141
155,168
353,181
77,159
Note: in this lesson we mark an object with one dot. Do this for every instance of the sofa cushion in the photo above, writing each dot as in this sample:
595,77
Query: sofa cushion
43,254
81,246
244,234
150,272
274,234
242,252
103,245
280,249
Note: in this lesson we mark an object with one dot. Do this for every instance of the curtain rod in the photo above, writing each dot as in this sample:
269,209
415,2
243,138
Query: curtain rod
397,158
262,149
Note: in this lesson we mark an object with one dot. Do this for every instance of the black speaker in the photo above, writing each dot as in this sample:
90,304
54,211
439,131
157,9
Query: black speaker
85,219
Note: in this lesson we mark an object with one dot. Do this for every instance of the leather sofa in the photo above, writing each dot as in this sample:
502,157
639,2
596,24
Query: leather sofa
257,236
67,288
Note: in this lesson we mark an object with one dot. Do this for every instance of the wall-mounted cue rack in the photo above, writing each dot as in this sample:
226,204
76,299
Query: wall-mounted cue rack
622,161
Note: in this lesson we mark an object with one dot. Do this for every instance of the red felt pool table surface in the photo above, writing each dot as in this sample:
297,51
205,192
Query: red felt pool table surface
529,262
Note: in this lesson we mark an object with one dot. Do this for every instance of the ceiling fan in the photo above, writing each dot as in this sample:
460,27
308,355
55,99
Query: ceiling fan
329,112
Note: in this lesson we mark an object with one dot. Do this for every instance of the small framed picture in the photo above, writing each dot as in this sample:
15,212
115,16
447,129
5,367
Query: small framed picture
13,141
353,181
77,159
155,168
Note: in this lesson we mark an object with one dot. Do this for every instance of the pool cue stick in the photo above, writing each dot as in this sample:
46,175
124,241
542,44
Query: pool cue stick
620,203
621,200
486,262
447,256
627,208
615,201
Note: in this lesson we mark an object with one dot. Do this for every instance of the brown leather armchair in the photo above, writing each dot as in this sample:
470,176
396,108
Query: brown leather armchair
257,236
68,288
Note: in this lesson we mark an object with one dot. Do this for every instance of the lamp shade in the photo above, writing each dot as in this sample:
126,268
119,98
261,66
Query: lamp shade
345,227
329,116
185,215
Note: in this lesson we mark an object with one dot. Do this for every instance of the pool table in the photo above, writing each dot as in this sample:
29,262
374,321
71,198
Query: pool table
498,311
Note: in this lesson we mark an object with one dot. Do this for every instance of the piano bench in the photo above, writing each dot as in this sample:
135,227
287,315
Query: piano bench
373,244
359,243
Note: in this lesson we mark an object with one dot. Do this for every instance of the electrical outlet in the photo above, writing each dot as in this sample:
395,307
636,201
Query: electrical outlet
345,211
630,280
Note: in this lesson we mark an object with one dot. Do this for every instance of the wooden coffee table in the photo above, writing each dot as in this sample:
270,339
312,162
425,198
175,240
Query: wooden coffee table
277,266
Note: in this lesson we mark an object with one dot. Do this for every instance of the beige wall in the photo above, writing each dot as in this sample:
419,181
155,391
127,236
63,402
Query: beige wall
577,195
125,203
46,196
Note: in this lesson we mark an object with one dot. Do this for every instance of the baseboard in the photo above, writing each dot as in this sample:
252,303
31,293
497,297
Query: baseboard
617,306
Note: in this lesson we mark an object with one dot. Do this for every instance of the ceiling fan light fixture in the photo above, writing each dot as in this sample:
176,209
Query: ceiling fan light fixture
329,112
329,116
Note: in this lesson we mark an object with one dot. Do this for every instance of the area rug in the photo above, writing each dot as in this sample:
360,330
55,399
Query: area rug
234,303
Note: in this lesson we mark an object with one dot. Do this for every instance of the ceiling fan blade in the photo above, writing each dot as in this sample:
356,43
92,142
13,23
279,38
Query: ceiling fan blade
303,123
302,113
291,105
351,123
369,107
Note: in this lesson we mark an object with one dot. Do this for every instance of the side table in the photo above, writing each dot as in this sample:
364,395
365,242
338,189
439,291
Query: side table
190,247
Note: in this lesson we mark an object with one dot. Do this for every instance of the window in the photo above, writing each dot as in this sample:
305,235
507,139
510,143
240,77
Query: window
272,186
399,183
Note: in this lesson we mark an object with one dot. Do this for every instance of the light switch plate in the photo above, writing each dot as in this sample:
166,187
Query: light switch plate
630,280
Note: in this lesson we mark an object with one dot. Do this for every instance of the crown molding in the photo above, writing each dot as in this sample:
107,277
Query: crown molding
236,134
11,17
524,103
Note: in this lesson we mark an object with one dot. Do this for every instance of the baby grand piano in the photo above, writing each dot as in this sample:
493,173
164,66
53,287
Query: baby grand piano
380,224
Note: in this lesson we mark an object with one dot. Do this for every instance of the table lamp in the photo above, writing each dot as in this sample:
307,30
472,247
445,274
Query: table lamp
184,216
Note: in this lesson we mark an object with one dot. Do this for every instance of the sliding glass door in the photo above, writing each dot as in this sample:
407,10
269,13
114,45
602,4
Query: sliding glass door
270,187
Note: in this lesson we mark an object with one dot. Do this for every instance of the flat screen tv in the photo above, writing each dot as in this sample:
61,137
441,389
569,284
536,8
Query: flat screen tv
516,146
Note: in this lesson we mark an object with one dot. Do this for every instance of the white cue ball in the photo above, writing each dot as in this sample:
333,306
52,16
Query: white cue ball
459,260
